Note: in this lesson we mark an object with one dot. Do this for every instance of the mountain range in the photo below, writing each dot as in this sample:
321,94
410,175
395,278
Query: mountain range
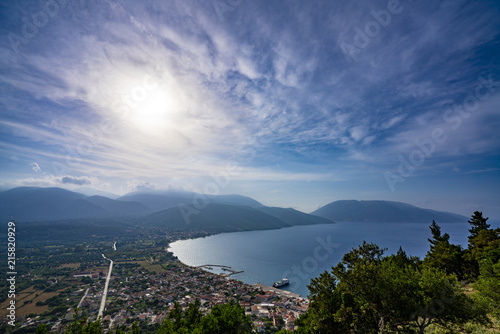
222,213
217,217
383,212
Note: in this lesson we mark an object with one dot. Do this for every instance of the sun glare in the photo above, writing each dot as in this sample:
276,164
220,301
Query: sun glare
154,113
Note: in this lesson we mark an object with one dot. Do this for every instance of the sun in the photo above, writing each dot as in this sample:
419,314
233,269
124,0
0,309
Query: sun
155,112
152,105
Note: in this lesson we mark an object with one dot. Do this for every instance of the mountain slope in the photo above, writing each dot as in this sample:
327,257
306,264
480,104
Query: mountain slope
45,204
384,211
119,208
93,192
215,218
235,200
32,203
158,201
294,217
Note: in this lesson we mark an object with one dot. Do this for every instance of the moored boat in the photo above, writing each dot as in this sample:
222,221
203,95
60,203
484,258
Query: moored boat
283,282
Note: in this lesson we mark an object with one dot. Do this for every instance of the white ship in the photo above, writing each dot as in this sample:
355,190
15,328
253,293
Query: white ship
283,282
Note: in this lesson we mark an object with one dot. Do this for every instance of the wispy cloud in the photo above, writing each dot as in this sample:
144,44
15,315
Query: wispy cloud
171,90
35,167
79,181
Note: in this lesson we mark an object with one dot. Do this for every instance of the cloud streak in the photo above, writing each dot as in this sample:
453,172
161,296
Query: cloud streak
158,91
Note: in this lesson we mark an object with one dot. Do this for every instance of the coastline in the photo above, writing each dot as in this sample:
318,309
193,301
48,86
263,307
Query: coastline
263,287
280,292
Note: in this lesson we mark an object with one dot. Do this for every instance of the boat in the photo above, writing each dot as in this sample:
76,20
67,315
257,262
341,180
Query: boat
283,282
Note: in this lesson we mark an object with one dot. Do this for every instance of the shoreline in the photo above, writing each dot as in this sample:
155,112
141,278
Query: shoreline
263,287
279,291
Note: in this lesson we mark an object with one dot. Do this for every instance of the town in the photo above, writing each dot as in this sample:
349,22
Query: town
145,283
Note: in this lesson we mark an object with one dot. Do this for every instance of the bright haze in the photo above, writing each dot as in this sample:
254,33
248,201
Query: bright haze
293,103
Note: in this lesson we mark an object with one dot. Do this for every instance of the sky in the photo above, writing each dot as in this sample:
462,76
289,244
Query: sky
293,103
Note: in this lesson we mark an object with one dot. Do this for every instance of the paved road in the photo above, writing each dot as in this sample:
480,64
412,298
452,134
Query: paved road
84,295
105,293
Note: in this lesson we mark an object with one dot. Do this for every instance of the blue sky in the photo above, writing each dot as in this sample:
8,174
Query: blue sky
294,103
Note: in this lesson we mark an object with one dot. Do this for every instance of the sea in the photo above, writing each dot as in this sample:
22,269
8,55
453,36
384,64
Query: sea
300,253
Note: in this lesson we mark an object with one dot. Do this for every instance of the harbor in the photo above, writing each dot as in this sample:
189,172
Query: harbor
230,270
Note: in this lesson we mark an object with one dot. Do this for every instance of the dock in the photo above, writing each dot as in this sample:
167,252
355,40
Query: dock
225,268
278,291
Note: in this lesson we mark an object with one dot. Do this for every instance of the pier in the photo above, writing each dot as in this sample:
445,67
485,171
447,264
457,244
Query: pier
280,292
225,268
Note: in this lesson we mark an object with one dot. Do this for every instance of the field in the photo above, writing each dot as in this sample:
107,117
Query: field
27,295
70,265
151,267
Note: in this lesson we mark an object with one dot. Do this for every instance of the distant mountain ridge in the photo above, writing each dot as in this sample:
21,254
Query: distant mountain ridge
383,212
46,204
223,213
294,217
218,217
162,200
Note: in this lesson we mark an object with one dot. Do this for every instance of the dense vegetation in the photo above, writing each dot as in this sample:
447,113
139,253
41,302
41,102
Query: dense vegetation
225,318
368,292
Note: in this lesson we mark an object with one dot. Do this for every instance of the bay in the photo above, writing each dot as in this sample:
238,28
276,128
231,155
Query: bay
300,253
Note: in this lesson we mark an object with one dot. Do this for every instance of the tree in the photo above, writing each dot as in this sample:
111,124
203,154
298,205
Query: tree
401,259
444,255
226,318
41,329
93,327
488,284
135,328
436,235
325,302
484,243
369,293
344,299
82,326
477,223
193,315
441,301
179,321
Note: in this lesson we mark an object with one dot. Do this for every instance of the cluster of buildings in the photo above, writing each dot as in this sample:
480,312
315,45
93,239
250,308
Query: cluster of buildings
138,295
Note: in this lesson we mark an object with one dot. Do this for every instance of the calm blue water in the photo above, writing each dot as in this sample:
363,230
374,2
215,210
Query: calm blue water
302,252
